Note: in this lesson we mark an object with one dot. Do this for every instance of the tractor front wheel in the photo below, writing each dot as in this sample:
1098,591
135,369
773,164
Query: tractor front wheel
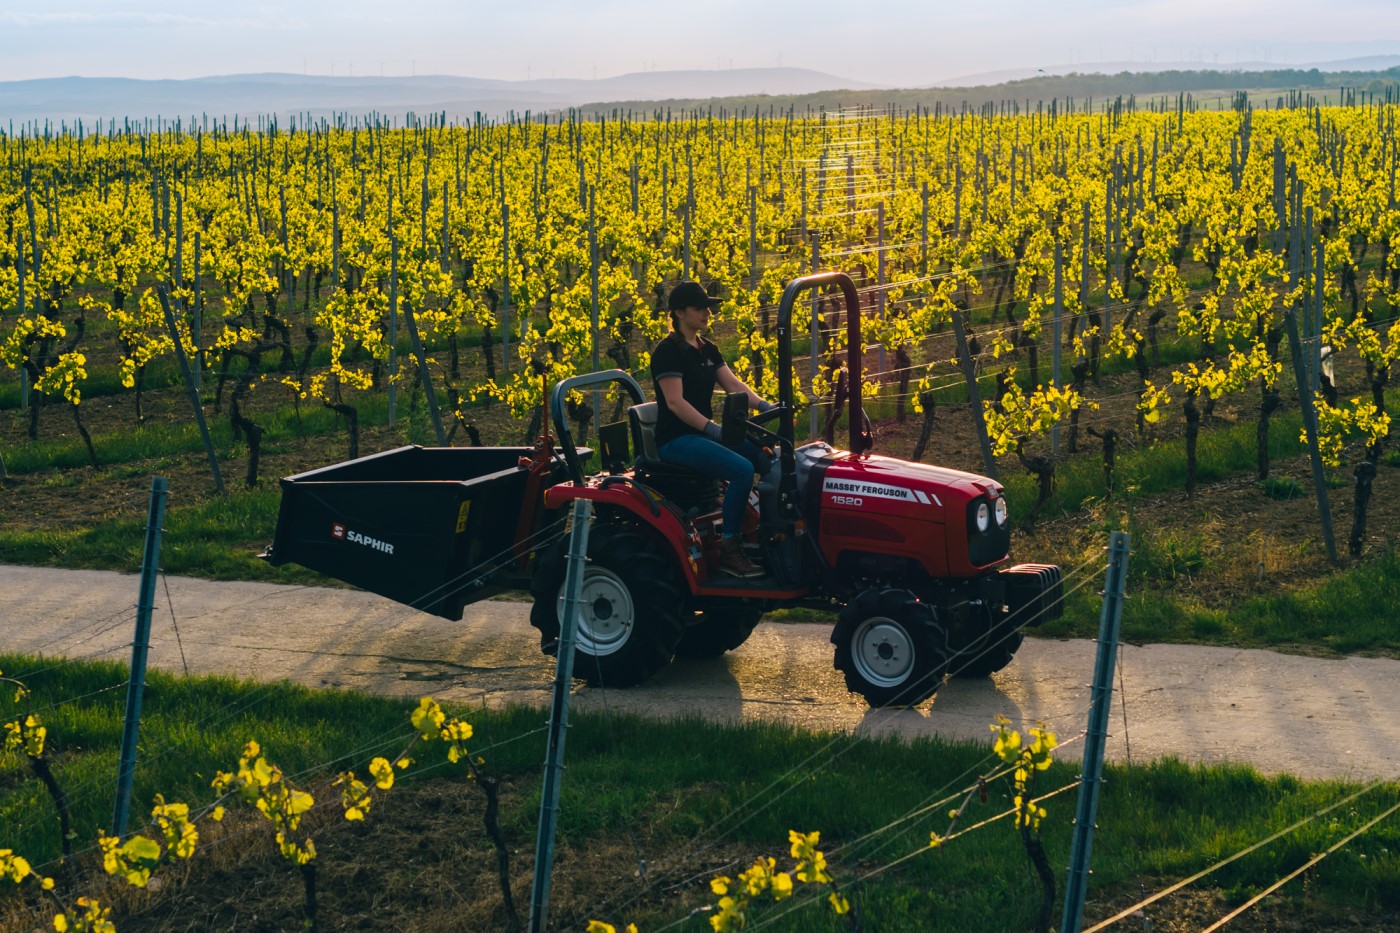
988,654
890,647
718,630
629,613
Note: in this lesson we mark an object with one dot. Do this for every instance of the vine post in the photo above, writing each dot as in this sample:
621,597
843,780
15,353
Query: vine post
393,319
1110,622
424,375
880,281
1057,339
190,386
593,304
974,394
559,716
140,645
196,317
1306,401
505,284
19,312
813,415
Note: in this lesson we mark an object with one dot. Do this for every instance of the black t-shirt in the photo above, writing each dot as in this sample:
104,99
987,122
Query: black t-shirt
697,367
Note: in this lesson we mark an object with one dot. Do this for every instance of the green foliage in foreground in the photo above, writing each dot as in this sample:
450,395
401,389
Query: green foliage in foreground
700,784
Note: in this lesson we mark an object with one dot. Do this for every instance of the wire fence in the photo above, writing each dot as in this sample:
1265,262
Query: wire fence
675,869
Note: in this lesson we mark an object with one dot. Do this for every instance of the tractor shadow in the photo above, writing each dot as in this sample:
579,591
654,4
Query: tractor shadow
962,709
684,689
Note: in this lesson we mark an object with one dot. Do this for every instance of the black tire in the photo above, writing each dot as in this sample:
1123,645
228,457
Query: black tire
890,647
632,613
988,655
717,631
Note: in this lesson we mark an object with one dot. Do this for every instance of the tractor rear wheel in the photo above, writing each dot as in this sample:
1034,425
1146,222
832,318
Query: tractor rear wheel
890,647
718,630
630,615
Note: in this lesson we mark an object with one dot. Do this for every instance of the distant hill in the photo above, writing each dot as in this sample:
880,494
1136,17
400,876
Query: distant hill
71,99
68,100
1203,85
984,78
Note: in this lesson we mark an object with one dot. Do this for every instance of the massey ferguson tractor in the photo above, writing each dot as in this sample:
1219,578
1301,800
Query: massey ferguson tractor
912,557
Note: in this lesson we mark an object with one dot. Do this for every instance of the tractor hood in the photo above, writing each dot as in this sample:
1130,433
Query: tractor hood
889,506
900,480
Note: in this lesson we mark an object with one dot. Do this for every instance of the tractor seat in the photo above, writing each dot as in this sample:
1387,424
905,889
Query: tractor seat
686,488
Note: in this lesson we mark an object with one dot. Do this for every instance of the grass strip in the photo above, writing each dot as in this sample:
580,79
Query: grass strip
1309,619
701,793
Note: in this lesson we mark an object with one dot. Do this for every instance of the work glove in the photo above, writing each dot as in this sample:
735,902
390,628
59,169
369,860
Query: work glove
713,432
765,405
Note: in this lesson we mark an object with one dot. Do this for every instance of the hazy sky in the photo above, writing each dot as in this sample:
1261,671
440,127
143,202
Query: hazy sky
879,41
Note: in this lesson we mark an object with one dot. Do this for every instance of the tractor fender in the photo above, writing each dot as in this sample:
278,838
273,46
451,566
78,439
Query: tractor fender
661,521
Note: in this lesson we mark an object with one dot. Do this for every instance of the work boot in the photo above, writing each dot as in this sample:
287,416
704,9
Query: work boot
734,562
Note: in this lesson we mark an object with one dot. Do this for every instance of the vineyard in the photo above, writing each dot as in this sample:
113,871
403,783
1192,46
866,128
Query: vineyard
339,266
1102,301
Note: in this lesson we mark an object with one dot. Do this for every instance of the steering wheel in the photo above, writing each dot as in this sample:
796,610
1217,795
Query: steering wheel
763,437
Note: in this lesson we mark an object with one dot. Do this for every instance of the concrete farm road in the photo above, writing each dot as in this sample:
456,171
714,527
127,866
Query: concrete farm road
1280,713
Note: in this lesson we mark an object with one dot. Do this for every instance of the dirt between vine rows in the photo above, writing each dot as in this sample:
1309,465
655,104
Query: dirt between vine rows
1238,541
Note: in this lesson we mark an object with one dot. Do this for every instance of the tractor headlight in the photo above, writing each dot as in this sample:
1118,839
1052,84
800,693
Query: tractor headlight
984,517
1001,512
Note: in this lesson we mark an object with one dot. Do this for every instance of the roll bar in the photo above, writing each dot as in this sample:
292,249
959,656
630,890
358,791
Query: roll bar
861,440
561,421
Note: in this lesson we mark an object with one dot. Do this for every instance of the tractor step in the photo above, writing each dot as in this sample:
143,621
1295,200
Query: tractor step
768,586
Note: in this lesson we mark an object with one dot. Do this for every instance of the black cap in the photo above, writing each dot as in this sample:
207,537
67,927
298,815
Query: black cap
690,295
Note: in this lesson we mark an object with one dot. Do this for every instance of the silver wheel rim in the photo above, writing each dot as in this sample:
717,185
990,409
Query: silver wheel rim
605,613
883,652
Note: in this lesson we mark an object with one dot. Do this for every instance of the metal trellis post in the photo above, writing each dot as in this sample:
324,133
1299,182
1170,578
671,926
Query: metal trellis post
974,395
140,645
393,325
190,386
1307,403
594,323
505,284
424,375
559,716
813,419
1091,778
1057,339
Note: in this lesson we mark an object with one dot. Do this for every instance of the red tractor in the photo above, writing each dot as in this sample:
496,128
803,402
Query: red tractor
913,556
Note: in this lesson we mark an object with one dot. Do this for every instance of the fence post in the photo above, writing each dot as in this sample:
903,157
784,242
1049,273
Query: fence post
1092,771
140,645
559,717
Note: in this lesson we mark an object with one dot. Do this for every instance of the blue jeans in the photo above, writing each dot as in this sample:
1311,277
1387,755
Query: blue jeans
736,467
